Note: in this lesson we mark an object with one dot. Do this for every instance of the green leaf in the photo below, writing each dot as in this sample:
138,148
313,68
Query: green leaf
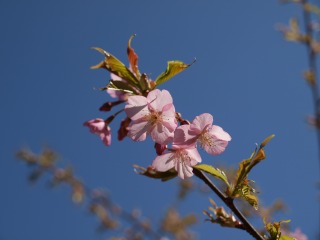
246,165
216,172
173,68
249,197
144,82
274,230
119,86
115,66
264,142
286,238
148,172
242,171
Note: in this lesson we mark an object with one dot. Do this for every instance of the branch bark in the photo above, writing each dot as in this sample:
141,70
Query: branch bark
230,203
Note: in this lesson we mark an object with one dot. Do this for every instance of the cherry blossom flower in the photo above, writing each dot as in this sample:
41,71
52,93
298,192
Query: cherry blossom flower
212,138
154,115
99,127
181,157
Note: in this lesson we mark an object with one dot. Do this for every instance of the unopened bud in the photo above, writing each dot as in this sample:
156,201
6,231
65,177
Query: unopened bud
123,130
160,148
106,107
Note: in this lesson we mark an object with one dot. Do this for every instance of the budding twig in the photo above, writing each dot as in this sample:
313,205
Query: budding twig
230,203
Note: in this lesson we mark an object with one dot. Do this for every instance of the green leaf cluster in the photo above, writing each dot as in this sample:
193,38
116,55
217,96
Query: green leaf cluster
274,231
241,185
132,81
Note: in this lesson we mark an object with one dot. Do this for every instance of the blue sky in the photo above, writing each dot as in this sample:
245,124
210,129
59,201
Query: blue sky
246,76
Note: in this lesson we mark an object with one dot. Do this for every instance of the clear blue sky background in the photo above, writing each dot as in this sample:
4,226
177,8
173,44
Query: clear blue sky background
246,75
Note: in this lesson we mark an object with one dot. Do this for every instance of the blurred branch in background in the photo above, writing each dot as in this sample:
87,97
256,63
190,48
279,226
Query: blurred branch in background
98,202
234,187
310,37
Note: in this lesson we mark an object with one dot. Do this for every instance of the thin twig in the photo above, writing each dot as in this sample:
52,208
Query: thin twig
230,203
312,61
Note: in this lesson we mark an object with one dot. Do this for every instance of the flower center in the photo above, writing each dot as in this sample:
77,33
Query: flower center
205,139
154,118
182,156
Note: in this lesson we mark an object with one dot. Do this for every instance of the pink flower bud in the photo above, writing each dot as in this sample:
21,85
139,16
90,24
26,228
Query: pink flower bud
160,148
99,127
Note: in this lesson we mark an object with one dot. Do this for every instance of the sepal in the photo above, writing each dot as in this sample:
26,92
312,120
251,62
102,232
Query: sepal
216,172
151,173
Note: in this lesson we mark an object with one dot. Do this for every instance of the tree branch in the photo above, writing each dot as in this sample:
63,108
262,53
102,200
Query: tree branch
230,203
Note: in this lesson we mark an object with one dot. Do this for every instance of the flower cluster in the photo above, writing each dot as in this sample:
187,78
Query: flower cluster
155,115
150,112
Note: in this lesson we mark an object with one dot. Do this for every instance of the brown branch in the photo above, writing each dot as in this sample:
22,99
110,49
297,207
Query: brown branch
230,203
312,62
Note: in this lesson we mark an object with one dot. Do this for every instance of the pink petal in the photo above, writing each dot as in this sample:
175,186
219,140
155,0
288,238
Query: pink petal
170,124
158,99
194,155
170,109
201,122
187,171
183,169
182,137
160,134
217,147
95,125
117,94
106,138
138,131
164,162
218,132
168,117
137,107
183,163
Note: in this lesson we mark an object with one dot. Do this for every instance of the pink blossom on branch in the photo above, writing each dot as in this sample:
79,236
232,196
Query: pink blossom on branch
154,115
181,157
212,138
99,127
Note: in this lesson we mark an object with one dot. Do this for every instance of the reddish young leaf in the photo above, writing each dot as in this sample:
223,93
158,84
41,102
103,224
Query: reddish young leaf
133,58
